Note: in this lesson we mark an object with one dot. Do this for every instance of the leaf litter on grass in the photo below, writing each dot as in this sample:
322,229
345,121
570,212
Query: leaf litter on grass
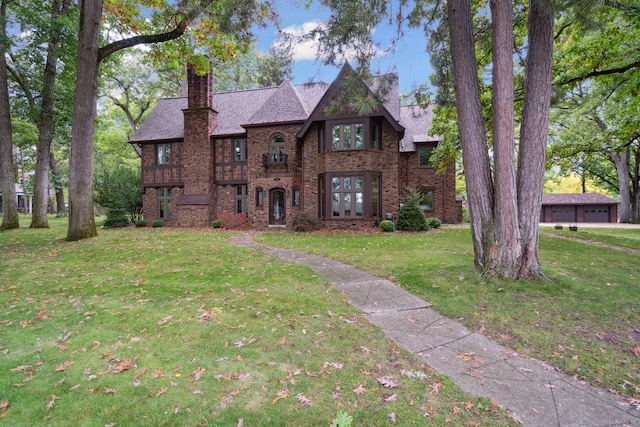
221,345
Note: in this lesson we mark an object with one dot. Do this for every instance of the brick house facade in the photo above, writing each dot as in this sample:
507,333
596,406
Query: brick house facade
255,158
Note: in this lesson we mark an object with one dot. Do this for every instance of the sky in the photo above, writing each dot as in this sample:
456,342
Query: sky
409,59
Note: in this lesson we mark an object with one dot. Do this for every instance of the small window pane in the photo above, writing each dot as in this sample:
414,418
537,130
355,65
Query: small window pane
424,155
335,137
359,137
335,204
347,137
347,182
359,198
359,181
374,137
296,197
335,183
347,204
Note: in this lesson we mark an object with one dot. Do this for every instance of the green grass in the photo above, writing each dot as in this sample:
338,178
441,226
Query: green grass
164,327
586,321
623,237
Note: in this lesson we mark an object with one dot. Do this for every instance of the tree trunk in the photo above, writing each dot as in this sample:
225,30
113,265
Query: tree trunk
81,217
533,132
622,161
475,156
7,171
61,209
505,253
45,126
635,188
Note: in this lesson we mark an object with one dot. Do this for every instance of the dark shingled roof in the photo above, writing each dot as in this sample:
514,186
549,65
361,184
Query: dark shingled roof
416,122
578,199
244,107
285,103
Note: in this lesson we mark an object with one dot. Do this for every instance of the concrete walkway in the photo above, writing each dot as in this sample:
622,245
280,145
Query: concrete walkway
534,392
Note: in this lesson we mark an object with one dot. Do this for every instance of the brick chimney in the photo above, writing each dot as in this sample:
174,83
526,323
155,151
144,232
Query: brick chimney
197,156
199,89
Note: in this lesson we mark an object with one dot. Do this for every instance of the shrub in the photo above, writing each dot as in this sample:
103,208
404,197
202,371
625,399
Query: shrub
410,216
434,222
116,218
217,223
157,223
117,191
304,221
465,215
141,223
387,225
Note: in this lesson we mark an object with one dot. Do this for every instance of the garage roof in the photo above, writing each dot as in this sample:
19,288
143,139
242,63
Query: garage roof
578,199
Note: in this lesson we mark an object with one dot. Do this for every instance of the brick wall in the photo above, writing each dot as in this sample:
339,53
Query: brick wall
445,205
273,176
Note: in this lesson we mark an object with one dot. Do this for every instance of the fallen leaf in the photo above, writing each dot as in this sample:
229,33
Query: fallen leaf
301,398
468,405
65,365
199,372
22,368
359,390
162,391
387,382
52,401
110,390
240,423
436,388
165,320
391,398
392,416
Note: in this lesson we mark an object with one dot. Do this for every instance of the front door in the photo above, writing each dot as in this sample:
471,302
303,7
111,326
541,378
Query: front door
277,214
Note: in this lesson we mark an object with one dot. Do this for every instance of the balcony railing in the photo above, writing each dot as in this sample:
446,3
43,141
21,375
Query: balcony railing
274,159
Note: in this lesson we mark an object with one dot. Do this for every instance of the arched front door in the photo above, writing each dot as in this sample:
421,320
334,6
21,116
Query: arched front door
277,213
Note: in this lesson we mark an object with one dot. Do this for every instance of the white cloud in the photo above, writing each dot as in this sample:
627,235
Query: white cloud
306,47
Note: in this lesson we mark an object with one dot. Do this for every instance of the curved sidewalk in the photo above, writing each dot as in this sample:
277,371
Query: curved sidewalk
535,393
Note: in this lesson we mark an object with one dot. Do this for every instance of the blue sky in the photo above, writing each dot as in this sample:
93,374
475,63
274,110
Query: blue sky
409,58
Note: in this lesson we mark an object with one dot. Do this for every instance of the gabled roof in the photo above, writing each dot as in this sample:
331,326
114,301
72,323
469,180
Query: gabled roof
578,199
390,107
417,123
283,106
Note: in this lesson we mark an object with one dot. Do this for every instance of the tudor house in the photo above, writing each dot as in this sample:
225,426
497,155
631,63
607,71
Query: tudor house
257,157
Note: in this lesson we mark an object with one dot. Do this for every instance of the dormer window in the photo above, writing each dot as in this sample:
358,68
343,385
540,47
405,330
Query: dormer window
347,136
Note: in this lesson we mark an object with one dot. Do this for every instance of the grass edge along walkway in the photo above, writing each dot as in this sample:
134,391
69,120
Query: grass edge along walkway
534,392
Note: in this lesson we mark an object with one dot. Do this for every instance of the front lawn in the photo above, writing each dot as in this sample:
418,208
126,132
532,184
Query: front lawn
586,321
142,327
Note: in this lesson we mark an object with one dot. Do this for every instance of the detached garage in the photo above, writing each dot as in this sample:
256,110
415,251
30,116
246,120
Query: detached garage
578,207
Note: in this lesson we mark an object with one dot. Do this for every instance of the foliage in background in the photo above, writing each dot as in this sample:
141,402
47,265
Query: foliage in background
118,191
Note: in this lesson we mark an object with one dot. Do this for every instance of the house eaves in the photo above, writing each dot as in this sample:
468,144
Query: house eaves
383,108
